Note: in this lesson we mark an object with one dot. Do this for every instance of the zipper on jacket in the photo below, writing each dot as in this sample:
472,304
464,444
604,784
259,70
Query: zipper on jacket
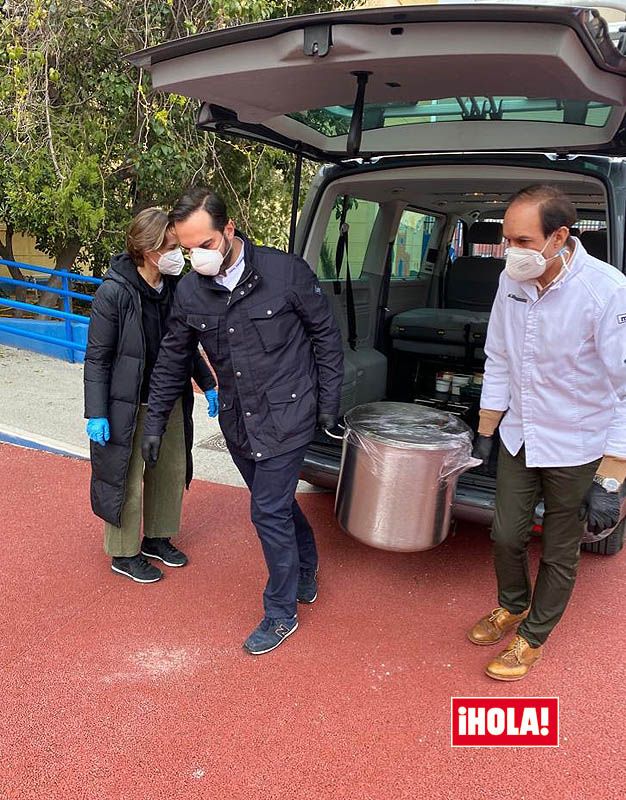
134,294
244,278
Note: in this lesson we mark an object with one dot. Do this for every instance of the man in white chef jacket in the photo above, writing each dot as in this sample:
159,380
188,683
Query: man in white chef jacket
555,382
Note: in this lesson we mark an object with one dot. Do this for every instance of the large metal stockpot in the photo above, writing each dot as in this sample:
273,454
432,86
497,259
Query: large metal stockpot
399,470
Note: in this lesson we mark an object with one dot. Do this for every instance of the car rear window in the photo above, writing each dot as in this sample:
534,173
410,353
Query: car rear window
335,120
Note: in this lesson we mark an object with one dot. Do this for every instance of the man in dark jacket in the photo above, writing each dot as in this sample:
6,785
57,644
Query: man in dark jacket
271,337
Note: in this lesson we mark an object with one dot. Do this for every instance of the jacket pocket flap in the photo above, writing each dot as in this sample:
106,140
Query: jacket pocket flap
290,391
202,322
225,402
268,309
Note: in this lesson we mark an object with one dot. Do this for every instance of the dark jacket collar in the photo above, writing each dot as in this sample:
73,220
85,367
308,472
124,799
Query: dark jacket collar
248,250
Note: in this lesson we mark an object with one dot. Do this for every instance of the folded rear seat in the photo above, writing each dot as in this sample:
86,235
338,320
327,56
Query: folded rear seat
450,332
458,330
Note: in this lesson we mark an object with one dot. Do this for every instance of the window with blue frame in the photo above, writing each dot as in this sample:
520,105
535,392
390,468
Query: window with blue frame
411,245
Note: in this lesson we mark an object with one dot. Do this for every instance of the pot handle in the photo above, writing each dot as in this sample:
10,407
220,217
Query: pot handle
334,435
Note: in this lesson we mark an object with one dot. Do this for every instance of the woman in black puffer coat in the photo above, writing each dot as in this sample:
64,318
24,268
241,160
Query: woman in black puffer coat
128,320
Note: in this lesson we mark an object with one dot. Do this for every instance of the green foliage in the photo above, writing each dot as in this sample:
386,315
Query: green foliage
327,269
85,141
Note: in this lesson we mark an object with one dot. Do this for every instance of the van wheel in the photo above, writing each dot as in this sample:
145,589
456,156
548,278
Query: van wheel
609,546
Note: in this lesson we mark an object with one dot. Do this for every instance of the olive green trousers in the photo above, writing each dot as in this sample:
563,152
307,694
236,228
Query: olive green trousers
518,490
157,491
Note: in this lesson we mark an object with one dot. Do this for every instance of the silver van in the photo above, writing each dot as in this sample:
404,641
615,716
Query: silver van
426,119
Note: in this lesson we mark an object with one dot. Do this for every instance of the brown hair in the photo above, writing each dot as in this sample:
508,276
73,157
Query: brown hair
201,197
556,210
146,232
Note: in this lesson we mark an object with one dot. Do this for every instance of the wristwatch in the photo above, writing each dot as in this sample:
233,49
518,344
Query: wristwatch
608,484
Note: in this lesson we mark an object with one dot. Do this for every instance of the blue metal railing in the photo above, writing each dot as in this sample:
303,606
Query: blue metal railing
64,291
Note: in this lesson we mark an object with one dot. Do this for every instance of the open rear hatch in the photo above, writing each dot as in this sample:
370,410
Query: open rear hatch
422,79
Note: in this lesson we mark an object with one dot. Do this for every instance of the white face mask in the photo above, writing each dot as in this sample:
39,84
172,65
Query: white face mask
208,262
525,264
172,262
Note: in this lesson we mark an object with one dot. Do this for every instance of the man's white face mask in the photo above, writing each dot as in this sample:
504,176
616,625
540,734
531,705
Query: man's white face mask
208,262
526,264
172,262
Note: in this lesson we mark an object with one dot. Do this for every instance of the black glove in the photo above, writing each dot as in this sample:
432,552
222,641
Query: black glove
600,508
483,445
327,421
150,446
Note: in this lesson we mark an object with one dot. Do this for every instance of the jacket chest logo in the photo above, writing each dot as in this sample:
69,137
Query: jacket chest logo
621,319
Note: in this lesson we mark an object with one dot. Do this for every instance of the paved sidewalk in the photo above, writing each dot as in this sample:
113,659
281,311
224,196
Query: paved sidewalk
41,399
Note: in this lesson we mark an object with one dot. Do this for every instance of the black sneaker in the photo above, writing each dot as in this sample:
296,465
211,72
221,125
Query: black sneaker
137,569
307,586
269,634
164,550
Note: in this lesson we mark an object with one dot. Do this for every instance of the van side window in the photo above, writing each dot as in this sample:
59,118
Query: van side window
489,250
460,247
360,217
411,245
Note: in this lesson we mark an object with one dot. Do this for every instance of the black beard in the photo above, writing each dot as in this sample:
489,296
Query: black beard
228,259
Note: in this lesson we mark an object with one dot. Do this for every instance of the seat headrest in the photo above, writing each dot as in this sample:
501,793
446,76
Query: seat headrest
574,232
485,233
595,243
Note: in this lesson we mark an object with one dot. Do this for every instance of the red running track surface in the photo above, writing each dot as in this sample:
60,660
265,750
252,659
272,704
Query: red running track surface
115,690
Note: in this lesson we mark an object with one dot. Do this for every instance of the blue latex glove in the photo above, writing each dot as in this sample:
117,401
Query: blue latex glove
98,430
214,406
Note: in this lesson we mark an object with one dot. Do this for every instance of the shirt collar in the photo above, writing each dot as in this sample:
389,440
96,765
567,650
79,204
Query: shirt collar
239,260
235,268
240,257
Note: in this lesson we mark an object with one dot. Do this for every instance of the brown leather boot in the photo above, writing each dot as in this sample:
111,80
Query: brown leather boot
515,661
494,627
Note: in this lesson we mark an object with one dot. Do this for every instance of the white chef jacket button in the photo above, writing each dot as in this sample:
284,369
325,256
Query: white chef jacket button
294,395
258,455
242,292
231,330
269,312
203,325
248,413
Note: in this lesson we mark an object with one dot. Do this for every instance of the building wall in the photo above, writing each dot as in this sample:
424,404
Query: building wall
24,250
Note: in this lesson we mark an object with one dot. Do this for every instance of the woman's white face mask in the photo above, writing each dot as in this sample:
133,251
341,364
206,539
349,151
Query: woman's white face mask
525,264
208,262
172,262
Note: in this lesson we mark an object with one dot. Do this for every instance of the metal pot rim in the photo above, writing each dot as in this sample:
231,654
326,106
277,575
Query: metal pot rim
405,417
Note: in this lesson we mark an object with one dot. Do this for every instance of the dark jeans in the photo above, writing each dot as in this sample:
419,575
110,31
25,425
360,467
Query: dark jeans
518,490
286,536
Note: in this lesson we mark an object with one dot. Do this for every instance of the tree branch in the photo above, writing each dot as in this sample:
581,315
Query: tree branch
53,156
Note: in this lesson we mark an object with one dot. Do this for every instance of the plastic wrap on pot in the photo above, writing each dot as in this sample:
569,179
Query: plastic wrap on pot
410,427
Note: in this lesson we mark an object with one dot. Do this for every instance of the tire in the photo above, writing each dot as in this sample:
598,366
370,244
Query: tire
609,546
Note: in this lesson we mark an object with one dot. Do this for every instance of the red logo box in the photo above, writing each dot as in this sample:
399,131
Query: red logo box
505,721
